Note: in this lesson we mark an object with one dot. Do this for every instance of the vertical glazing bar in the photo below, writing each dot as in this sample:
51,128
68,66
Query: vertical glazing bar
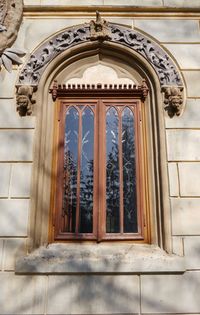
121,176
78,173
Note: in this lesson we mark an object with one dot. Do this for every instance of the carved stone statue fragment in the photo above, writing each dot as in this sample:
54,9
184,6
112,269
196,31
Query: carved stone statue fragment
99,29
24,99
173,100
10,20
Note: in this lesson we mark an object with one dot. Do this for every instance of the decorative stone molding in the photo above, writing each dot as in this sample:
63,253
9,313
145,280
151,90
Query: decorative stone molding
25,100
173,100
10,20
101,30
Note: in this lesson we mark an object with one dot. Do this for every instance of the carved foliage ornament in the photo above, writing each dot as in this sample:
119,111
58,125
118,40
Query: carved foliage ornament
101,30
10,20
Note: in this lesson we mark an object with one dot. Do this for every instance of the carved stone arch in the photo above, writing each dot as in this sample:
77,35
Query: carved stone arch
102,32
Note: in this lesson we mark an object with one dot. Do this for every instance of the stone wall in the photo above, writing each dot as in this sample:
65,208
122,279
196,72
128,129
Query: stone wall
177,30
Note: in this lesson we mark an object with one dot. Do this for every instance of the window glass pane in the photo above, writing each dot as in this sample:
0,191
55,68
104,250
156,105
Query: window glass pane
112,172
129,172
70,169
86,178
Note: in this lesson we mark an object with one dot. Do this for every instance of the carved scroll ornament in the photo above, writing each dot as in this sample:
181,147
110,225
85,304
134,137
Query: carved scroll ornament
10,20
101,30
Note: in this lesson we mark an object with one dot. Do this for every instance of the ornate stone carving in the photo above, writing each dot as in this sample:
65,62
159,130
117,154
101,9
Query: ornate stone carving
10,20
24,99
160,61
99,29
32,71
173,100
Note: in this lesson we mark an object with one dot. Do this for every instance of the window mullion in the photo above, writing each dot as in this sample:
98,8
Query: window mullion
121,175
78,173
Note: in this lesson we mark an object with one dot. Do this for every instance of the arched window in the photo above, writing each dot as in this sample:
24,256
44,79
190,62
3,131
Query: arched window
66,54
99,191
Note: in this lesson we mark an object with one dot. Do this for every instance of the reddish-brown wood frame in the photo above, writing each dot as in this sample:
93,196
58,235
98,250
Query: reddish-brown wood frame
134,99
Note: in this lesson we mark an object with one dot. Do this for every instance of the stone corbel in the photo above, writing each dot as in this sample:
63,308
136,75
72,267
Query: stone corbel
173,100
25,100
99,29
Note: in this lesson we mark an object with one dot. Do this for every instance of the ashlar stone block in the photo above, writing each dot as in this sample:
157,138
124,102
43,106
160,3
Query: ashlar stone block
189,177
13,248
192,79
182,145
7,83
16,145
1,253
170,30
85,294
21,180
190,117
5,172
185,216
173,179
22,294
9,118
170,294
14,217
182,3
192,252
187,55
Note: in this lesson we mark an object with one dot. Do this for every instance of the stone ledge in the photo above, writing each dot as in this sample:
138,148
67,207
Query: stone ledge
99,259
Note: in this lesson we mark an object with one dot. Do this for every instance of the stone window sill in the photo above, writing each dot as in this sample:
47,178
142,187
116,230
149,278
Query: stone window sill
99,259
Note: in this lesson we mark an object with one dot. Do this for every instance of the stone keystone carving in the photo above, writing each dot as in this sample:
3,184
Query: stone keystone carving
173,100
99,29
24,99
10,20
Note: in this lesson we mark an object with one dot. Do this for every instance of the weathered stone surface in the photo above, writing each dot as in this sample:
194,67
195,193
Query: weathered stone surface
185,216
192,82
84,294
170,293
173,179
170,30
22,294
21,180
5,172
40,29
189,177
13,248
182,145
1,253
101,258
182,3
9,118
192,252
145,3
14,217
71,3
7,83
16,145
186,55
177,245
190,117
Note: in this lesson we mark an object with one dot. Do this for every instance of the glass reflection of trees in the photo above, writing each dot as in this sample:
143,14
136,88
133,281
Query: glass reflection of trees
78,136
113,139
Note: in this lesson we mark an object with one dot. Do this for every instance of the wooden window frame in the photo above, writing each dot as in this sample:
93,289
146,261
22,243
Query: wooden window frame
132,97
